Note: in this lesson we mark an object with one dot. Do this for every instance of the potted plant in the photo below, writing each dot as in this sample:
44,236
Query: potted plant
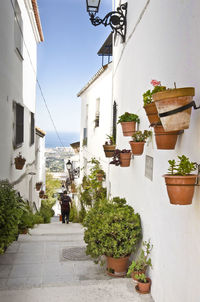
165,140
112,229
38,185
143,284
19,162
149,105
128,122
180,182
109,146
138,141
121,158
41,194
140,265
100,175
174,107
97,171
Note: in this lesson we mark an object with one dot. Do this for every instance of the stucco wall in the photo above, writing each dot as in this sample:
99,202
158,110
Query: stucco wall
162,43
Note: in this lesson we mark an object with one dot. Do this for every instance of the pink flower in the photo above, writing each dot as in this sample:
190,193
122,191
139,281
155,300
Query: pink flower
155,83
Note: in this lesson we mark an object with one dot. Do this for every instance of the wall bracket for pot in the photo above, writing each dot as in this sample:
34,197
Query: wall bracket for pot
198,174
180,109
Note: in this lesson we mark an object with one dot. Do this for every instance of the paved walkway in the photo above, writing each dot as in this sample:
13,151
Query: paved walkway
50,265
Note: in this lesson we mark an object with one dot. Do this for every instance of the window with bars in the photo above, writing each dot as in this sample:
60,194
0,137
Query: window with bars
19,125
32,129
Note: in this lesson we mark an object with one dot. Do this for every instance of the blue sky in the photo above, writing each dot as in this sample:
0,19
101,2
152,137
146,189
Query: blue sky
67,59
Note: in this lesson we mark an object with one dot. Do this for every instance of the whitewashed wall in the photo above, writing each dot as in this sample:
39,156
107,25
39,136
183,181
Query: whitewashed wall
101,89
17,83
162,42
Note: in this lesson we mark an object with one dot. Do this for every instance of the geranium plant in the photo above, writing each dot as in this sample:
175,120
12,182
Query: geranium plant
147,96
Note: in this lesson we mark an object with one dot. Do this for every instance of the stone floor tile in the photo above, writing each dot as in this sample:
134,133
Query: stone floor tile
5,271
26,270
20,283
8,258
22,258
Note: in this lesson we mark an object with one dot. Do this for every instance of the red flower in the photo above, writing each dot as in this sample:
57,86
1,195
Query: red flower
155,83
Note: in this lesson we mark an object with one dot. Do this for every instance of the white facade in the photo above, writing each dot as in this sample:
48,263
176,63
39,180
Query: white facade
18,67
162,43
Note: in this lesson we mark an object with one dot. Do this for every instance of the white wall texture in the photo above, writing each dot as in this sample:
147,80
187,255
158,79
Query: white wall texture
162,43
17,83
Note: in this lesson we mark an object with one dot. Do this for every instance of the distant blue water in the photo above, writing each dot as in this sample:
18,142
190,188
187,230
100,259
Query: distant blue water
67,138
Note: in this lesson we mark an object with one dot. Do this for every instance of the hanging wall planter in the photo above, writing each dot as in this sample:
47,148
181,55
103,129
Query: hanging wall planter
152,113
128,122
125,159
109,146
180,183
41,194
174,107
165,140
139,139
38,186
19,162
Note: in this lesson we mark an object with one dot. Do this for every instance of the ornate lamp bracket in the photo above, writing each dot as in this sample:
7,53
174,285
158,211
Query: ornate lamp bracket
116,20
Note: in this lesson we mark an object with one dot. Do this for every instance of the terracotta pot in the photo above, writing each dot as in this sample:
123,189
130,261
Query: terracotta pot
109,150
19,163
144,288
137,147
165,140
60,218
38,186
125,159
41,194
152,113
128,128
180,189
172,99
117,267
24,231
99,177
137,273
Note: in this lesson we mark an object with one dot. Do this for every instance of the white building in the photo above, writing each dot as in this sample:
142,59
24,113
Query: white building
20,32
162,42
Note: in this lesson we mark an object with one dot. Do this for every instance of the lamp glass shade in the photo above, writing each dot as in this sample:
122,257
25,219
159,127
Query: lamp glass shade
93,5
69,165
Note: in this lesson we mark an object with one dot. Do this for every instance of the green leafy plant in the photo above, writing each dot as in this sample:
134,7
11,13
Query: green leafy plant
183,167
147,96
141,278
143,261
140,136
128,117
116,156
111,228
110,140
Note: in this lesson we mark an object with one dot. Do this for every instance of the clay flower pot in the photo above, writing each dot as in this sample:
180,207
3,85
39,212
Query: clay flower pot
100,177
128,128
125,159
165,140
143,288
137,273
152,113
41,194
19,162
38,186
137,147
180,189
172,99
117,267
109,150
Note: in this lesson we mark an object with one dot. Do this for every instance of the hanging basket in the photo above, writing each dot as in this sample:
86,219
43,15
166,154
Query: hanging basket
174,107
109,150
19,162
165,140
152,113
125,159
128,128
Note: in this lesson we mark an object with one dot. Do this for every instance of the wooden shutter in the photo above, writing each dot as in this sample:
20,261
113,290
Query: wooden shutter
114,120
19,124
32,128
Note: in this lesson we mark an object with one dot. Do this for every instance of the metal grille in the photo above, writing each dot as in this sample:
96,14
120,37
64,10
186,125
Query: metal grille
75,254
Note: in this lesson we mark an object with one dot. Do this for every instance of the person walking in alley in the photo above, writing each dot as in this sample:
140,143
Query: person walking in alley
65,206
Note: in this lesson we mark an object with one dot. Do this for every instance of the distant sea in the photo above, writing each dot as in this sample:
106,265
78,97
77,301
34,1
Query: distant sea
67,138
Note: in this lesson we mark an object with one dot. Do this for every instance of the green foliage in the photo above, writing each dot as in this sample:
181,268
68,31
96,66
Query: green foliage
52,185
111,140
141,278
112,229
147,96
46,211
140,136
143,261
27,218
183,167
10,212
128,117
74,217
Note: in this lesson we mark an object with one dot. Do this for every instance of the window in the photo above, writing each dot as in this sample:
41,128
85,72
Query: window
32,129
97,113
18,30
19,125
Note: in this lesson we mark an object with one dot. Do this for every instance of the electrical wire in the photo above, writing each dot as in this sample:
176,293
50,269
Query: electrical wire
38,83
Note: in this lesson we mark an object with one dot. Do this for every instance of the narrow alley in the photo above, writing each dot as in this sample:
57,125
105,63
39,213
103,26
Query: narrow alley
50,265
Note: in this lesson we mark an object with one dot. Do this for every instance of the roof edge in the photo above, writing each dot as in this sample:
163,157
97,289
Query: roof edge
37,19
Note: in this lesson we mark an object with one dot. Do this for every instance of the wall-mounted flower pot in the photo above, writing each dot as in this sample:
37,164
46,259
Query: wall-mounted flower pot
137,147
143,288
172,99
180,189
19,162
117,267
100,177
109,150
165,140
152,113
41,194
128,128
125,159
38,186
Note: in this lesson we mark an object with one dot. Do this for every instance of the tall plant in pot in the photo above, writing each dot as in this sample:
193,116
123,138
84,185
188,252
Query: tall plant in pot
109,146
112,229
149,105
128,122
121,158
138,140
180,182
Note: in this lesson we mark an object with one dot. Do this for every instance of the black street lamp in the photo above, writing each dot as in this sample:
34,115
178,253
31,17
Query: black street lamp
116,19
